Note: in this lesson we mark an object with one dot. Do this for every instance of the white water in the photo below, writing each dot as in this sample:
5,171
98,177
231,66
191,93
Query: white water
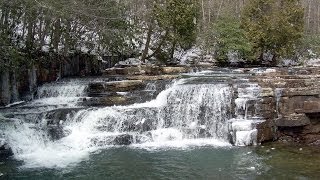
74,89
62,93
181,116
278,93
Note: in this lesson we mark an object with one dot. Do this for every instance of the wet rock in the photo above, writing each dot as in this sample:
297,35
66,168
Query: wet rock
56,132
5,150
125,139
147,125
265,132
55,117
108,101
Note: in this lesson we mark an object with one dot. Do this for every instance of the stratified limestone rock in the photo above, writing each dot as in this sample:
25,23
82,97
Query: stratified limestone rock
307,91
116,86
128,85
265,132
107,101
310,107
174,70
293,120
153,78
290,101
267,92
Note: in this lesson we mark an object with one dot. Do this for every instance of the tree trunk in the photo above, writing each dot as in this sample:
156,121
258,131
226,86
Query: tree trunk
146,48
203,12
56,38
67,38
173,49
220,7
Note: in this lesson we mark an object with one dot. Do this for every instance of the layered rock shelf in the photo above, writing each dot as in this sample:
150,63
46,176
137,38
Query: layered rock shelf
290,103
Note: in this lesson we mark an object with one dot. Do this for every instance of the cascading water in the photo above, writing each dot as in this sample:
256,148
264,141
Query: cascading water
278,93
61,90
187,113
61,93
182,115
243,126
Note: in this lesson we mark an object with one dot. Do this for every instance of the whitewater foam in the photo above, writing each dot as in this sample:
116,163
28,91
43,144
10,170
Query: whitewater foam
182,116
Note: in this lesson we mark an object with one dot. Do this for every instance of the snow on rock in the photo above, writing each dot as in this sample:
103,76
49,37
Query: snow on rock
129,62
194,55
313,62
288,62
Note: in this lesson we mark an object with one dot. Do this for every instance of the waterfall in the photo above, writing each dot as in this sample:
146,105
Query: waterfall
67,93
61,90
187,113
180,116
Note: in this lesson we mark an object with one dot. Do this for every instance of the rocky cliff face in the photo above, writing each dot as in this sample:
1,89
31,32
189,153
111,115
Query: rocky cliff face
290,102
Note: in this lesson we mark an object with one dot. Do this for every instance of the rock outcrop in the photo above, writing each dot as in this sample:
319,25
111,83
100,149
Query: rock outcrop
290,103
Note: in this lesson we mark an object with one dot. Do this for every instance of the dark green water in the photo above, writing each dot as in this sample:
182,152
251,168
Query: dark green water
265,162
